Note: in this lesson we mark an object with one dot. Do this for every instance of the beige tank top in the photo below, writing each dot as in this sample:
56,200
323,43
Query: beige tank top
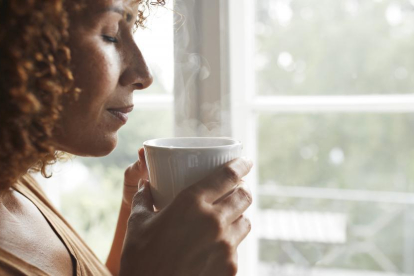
86,261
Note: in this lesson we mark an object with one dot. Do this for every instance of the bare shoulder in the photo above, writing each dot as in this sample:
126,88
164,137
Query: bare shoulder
26,234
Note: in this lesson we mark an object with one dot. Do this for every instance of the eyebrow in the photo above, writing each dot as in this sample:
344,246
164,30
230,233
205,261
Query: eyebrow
127,16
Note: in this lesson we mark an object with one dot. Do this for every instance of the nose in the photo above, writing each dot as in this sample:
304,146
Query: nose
136,73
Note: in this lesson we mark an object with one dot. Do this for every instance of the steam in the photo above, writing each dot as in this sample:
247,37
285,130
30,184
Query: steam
196,112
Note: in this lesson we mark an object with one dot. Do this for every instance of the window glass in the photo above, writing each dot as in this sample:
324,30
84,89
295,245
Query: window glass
156,43
335,238
345,151
308,47
335,193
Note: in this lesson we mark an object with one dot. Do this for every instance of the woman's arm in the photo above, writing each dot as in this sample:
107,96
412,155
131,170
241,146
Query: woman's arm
133,174
114,257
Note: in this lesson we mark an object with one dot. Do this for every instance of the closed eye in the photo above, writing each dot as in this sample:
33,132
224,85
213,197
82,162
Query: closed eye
109,39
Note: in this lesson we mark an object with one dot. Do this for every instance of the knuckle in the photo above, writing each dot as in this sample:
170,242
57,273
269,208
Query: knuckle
227,253
246,194
128,170
225,249
190,199
214,224
232,267
231,174
133,218
138,216
135,199
131,175
135,214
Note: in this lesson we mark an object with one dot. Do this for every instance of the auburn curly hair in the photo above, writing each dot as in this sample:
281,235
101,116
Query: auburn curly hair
35,76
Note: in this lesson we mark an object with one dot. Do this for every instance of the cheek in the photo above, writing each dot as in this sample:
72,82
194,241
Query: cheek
96,67
96,72
99,70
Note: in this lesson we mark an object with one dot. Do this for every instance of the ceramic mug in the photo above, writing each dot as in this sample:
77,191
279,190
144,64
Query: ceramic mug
176,163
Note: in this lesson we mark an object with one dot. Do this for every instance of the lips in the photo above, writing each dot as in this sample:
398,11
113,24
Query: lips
121,113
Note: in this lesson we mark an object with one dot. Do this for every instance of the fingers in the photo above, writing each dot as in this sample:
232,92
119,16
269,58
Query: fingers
233,206
239,230
137,170
142,161
141,165
224,180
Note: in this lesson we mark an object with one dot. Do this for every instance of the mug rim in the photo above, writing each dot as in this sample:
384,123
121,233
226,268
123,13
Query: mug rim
149,144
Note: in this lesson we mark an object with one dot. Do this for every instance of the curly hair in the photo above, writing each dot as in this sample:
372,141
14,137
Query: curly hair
35,77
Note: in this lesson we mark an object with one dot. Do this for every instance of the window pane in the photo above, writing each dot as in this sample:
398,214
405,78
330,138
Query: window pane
308,47
335,194
346,151
156,43
336,238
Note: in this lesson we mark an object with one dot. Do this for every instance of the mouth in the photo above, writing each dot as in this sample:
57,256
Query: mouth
121,113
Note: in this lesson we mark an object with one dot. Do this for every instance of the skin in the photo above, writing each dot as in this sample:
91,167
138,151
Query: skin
108,67
23,230
205,222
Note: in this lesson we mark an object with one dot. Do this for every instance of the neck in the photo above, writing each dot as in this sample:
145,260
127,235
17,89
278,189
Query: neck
7,182
5,195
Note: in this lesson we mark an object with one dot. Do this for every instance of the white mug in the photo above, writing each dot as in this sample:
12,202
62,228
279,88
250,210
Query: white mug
176,163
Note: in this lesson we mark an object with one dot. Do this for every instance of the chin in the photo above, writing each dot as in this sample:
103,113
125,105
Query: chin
103,151
101,148
98,147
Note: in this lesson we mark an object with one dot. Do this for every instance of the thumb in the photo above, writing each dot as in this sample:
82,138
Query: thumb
143,200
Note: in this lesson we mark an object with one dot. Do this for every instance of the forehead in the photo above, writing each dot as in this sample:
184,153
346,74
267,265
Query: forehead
128,8
120,3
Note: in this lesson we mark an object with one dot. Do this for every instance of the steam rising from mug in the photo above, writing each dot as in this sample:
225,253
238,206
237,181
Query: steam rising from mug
201,105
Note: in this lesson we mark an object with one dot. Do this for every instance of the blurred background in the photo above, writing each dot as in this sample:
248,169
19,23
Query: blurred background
321,94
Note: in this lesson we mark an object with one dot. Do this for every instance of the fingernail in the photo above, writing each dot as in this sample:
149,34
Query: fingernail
140,184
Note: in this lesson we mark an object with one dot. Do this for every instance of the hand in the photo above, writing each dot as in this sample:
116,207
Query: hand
132,175
197,234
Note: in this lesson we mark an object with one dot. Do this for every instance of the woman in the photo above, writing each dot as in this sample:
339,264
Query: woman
67,74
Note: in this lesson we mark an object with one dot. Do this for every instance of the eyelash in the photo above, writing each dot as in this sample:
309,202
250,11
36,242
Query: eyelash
110,39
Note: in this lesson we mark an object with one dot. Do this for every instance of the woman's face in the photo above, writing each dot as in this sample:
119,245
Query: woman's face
108,66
